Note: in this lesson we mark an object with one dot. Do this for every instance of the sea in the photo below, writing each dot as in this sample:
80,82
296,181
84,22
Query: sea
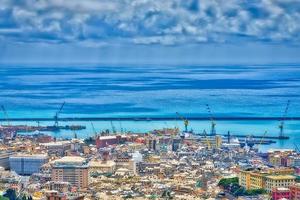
38,91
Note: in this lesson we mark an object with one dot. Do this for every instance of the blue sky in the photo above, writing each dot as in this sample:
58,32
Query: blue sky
149,31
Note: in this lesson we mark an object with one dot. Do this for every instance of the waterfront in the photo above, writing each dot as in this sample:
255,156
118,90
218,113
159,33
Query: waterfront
292,128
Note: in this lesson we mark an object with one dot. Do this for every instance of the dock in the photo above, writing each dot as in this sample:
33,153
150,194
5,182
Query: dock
152,118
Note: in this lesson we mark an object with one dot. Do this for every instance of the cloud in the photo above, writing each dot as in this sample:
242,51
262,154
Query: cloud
167,22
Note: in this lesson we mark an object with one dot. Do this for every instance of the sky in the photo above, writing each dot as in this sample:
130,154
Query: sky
149,31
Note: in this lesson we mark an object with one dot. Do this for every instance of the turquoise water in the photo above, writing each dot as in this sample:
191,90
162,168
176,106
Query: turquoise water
149,91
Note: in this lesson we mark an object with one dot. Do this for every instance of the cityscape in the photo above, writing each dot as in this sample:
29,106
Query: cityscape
149,100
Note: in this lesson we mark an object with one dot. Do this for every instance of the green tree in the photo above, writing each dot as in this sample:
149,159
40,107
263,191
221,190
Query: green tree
225,182
10,194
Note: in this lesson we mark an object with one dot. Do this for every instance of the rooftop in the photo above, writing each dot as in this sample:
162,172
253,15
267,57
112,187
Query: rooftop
281,177
44,156
96,163
70,160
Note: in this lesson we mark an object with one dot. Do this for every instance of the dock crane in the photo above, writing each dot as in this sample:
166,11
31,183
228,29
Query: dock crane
113,128
185,121
213,124
5,114
57,114
296,147
121,127
281,124
95,132
262,139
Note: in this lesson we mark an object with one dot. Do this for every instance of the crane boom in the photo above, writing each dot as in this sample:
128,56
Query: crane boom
281,124
57,114
262,139
113,128
95,132
121,127
5,114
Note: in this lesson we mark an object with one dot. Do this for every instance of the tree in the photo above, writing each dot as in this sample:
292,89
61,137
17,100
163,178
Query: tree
10,194
226,182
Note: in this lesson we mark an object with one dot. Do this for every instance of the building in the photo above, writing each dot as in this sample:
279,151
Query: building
275,160
72,169
255,179
4,159
176,144
297,162
295,191
281,193
278,181
62,187
57,147
104,141
27,164
99,166
54,195
126,163
211,141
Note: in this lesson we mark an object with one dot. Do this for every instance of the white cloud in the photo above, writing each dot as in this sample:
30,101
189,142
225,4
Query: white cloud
165,22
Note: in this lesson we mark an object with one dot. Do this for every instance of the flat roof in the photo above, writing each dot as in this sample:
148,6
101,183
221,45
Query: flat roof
108,137
70,159
96,163
29,156
280,177
57,143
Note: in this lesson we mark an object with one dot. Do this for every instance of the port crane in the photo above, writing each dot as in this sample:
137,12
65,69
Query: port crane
281,124
57,114
213,124
5,114
113,128
262,139
95,132
121,127
185,121
296,147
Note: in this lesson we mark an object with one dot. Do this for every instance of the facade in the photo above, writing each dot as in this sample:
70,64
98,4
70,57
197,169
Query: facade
278,181
251,180
4,159
27,164
297,162
99,166
212,141
295,191
260,179
281,193
61,187
57,148
72,169
275,160
104,141
54,195
126,163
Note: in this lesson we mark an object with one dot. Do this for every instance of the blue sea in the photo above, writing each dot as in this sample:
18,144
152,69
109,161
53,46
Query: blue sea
156,91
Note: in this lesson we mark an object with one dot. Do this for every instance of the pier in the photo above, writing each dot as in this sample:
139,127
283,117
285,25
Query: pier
150,118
